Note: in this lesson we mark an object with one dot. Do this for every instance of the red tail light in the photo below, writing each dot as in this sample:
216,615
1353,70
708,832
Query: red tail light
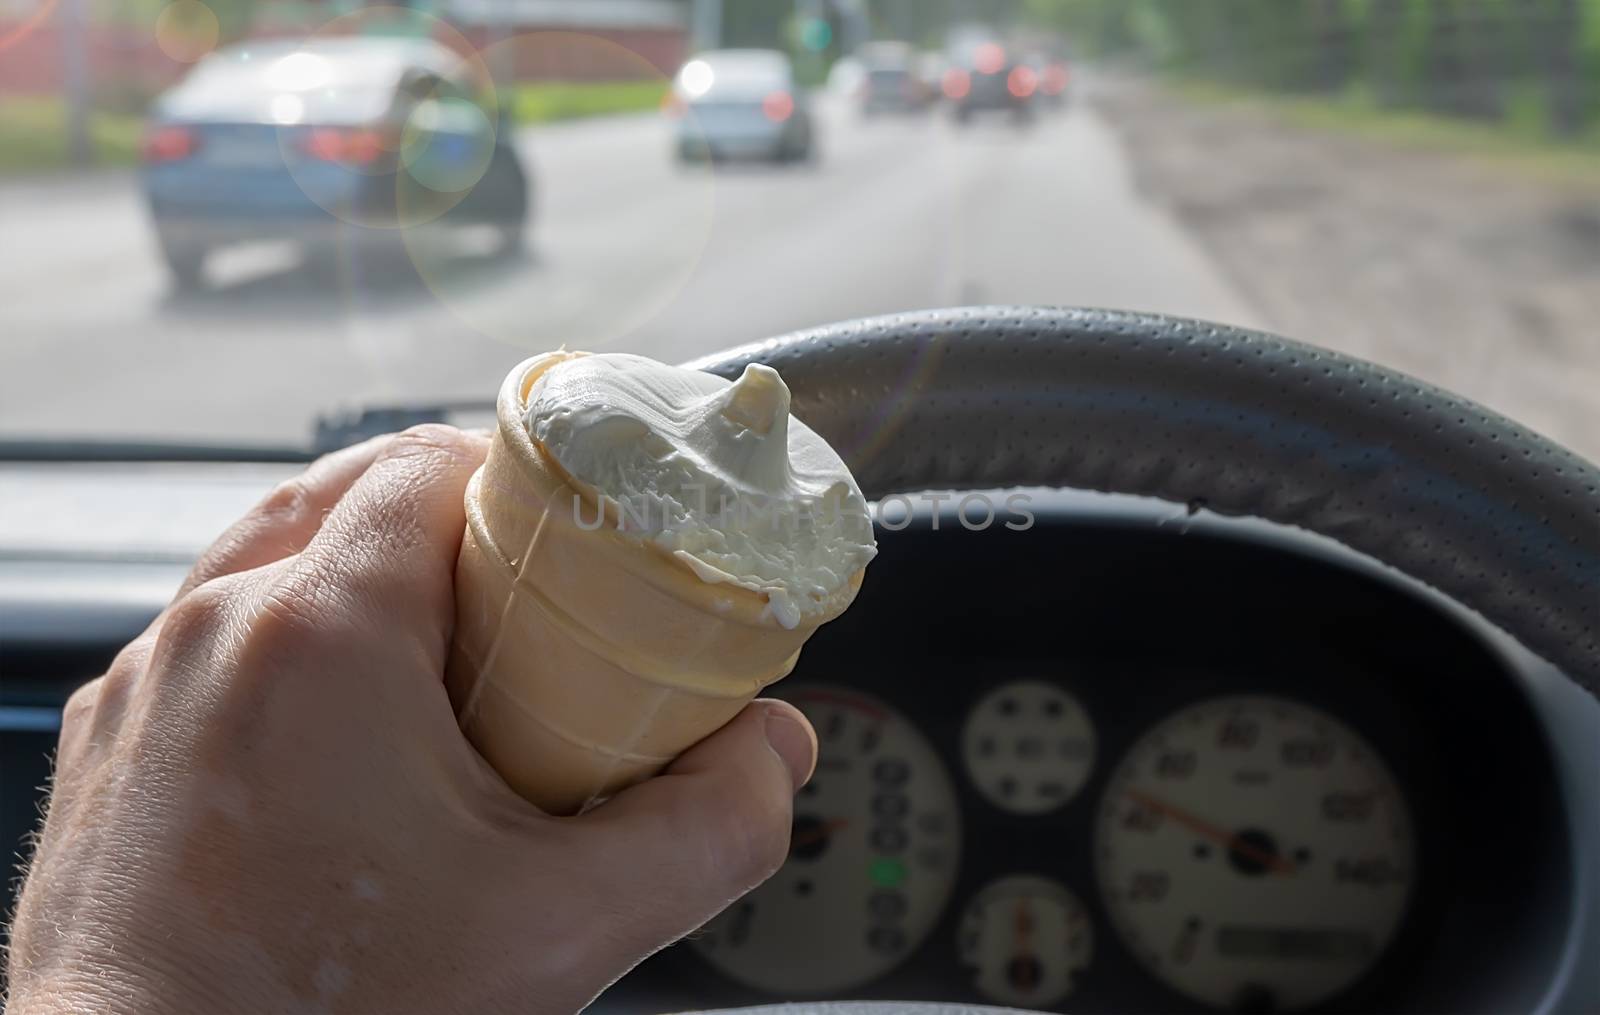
956,84
1022,81
778,106
168,144
1055,80
989,58
358,146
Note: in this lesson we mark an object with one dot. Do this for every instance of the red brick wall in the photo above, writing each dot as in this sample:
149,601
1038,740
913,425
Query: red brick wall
121,56
565,54
33,64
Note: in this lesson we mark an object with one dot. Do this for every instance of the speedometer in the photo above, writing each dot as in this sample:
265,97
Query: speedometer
872,859
1254,853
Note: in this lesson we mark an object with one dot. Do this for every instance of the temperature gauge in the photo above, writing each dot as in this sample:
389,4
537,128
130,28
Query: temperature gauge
1029,747
1026,938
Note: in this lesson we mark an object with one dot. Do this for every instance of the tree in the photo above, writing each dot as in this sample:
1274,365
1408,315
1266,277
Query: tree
1558,35
1461,70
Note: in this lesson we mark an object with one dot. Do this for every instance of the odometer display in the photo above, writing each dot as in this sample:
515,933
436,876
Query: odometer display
1254,853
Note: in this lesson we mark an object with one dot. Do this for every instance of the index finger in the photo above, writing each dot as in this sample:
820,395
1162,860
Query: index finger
287,518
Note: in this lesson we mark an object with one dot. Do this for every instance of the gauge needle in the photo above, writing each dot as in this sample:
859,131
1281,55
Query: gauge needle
816,833
1022,926
1206,830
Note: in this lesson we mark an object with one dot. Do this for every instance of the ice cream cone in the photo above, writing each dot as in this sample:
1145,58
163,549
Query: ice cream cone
586,659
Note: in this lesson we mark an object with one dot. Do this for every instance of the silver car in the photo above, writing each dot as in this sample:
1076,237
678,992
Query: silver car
741,104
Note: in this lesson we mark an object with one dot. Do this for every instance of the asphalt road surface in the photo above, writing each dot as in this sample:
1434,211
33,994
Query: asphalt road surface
628,253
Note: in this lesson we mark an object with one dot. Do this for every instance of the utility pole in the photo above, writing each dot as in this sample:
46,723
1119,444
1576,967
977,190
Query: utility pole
856,25
705,24
71,16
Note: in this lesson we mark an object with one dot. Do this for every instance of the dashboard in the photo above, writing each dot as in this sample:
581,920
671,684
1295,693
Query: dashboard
1133,758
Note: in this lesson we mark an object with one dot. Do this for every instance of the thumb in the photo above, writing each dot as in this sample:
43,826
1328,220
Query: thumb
672,852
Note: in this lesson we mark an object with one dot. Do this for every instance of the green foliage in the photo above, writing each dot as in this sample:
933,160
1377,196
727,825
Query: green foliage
1533,64
544,101
33,135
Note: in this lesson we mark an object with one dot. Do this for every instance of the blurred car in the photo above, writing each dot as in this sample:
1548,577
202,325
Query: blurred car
893,90
987,79
845,76
891,83
741,104
930,69
325,142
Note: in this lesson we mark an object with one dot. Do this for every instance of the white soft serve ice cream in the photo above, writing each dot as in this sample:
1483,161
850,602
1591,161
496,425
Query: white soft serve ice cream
716,473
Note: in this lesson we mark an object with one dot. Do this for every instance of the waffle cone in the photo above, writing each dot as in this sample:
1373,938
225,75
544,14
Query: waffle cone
586,659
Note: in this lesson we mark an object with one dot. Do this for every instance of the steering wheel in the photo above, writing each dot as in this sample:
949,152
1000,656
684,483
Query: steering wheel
1237,422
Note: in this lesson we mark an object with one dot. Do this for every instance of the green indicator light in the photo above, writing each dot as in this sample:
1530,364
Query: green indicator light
887,872
815,34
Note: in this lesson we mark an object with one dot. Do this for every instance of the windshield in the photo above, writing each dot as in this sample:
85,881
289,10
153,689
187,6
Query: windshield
226,225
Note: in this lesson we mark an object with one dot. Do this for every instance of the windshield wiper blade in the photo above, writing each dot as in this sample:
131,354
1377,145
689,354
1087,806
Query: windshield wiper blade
340,430
330,433
145,451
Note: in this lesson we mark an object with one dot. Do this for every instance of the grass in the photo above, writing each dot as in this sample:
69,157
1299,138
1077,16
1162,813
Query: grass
1518,143
545,101
33,135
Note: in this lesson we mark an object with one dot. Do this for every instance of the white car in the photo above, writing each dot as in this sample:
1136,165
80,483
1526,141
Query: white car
741,104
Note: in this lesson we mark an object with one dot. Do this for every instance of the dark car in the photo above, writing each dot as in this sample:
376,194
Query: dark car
988,79
330,141
1052,77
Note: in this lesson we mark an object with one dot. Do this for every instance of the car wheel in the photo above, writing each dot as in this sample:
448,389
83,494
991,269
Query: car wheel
186,262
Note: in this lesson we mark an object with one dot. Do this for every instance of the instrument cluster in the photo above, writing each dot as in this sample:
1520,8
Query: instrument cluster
1248,851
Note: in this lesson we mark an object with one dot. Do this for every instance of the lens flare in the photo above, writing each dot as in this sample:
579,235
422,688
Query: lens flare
374,152
612,259
892,412
186,30
447,144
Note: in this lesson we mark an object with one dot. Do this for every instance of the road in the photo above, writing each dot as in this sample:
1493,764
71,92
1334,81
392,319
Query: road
629,253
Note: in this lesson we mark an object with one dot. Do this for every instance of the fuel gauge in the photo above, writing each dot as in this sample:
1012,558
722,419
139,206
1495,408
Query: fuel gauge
1025,938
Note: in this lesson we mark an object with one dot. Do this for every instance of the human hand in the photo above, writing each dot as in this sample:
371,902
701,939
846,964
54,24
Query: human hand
266,805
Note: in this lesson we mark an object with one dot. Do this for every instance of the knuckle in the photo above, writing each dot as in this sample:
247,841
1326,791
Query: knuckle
80,706
429,442
193,634
198,616
290,499
301,611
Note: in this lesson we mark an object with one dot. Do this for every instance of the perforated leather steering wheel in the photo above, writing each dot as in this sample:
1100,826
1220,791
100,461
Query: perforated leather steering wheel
1238,422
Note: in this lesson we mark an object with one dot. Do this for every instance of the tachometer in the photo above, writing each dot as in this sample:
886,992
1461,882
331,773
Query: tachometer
872,859
1254,853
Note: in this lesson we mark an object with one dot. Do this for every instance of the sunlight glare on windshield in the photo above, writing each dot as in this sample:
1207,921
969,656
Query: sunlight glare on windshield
290,208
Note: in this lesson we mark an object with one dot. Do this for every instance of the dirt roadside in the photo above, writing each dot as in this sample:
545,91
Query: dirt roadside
1478,277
